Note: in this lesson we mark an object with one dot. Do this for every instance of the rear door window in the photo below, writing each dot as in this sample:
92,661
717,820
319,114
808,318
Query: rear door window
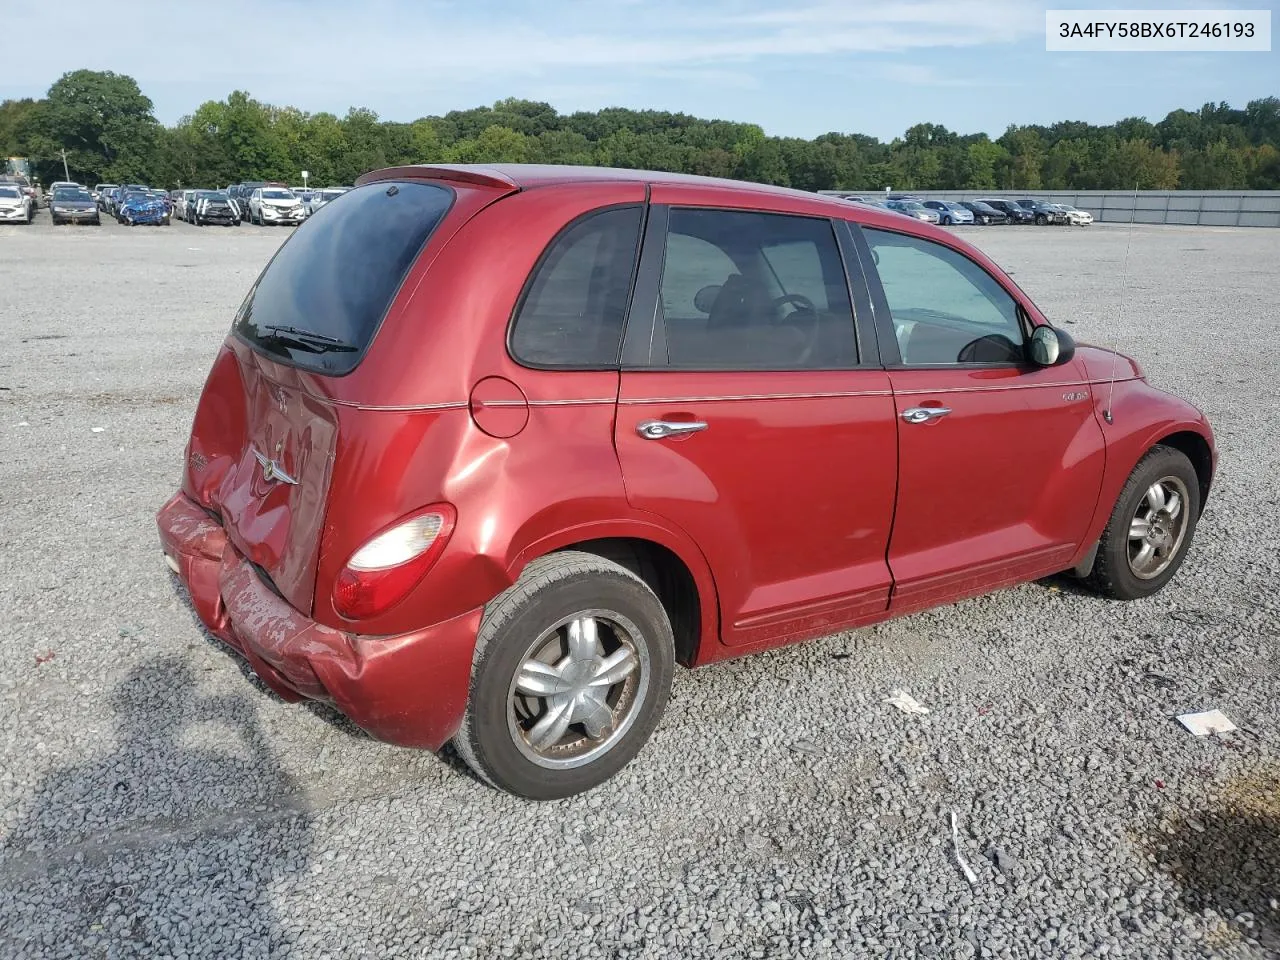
320,300
573,309
754,291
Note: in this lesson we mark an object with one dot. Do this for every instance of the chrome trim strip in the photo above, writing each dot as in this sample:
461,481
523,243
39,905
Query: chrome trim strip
583,402
586,402
406,408
759,396
994,387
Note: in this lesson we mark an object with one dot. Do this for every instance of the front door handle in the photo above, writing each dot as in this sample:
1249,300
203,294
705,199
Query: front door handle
660,429
924,414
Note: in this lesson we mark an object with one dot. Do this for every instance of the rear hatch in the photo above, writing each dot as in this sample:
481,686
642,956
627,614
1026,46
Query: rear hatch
266,431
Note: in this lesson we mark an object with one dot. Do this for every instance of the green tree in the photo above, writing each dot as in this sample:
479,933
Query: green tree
16,125
103,122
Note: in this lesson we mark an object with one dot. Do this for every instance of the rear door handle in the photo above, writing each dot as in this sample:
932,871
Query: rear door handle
660,429
924,414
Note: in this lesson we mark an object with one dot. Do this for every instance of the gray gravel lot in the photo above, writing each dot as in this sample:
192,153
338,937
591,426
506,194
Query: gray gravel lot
156,803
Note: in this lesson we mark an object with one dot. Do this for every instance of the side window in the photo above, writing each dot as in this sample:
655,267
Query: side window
754,291
573,308
946,309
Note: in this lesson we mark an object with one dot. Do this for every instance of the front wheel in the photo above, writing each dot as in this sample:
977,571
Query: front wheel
1150,528
571,673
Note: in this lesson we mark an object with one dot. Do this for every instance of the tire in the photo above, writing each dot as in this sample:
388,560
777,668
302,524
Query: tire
1117,572
534,620
1041,219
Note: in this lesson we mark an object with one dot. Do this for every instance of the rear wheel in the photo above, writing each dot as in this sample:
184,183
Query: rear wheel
1150,528
571,673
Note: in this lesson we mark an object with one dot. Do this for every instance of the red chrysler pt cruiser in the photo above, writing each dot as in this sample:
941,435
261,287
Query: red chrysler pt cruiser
488,450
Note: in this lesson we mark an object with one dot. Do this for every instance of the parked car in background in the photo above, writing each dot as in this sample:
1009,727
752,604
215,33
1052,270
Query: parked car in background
984,213
15,205
164,197
1043,212
1013,211
73,205
100,194
950,212
117,196
322,196
272,205
884,205
214,206
241,193
181,205
914,209
25,187
141,207
1075,216
60,183
387,526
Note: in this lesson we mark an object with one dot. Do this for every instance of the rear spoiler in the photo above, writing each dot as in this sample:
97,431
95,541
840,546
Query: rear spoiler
458,173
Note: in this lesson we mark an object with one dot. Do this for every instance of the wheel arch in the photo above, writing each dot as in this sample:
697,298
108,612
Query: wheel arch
1188,432
1199,452
666,560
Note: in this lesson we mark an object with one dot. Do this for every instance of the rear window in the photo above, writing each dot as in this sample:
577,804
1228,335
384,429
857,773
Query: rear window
574,306
333,280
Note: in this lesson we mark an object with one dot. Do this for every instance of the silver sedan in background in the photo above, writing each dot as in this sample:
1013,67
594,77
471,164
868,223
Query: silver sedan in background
320,197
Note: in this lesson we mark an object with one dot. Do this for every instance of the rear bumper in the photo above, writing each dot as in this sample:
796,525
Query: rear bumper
409,690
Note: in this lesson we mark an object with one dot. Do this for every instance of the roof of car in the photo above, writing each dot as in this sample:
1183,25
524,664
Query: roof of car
523,176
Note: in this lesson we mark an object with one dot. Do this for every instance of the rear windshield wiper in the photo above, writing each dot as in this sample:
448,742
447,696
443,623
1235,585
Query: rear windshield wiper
305,339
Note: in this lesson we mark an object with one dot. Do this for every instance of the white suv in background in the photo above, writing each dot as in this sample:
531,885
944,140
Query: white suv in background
268,205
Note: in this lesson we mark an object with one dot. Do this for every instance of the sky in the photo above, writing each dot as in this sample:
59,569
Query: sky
796,67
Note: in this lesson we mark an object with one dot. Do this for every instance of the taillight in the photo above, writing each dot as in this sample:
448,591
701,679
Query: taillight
382,572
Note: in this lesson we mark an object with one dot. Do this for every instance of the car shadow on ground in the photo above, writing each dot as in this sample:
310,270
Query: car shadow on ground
171,843
1227,859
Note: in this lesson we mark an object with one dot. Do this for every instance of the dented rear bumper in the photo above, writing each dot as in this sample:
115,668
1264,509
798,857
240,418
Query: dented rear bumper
409,689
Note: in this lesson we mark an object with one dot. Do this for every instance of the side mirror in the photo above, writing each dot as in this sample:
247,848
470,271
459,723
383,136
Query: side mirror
1050,346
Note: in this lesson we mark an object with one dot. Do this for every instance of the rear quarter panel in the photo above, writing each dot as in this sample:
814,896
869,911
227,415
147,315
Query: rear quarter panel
410,439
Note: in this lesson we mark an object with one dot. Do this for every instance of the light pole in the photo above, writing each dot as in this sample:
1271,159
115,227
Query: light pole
65,172
304,179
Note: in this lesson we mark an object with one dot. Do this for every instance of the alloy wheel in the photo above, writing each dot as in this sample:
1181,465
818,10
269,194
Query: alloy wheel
578,689
1158,527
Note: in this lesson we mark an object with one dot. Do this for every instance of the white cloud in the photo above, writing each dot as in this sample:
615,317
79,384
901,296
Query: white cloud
319,52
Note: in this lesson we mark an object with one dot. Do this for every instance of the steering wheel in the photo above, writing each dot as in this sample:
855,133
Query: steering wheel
805,306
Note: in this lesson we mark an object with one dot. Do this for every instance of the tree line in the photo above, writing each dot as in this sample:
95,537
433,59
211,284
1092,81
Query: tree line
108,130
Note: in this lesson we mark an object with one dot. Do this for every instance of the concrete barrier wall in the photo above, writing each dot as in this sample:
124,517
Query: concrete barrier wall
1217,208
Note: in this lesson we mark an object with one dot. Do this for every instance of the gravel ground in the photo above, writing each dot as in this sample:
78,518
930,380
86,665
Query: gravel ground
154,802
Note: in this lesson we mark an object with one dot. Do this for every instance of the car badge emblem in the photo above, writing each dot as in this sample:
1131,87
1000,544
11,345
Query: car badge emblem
271,470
